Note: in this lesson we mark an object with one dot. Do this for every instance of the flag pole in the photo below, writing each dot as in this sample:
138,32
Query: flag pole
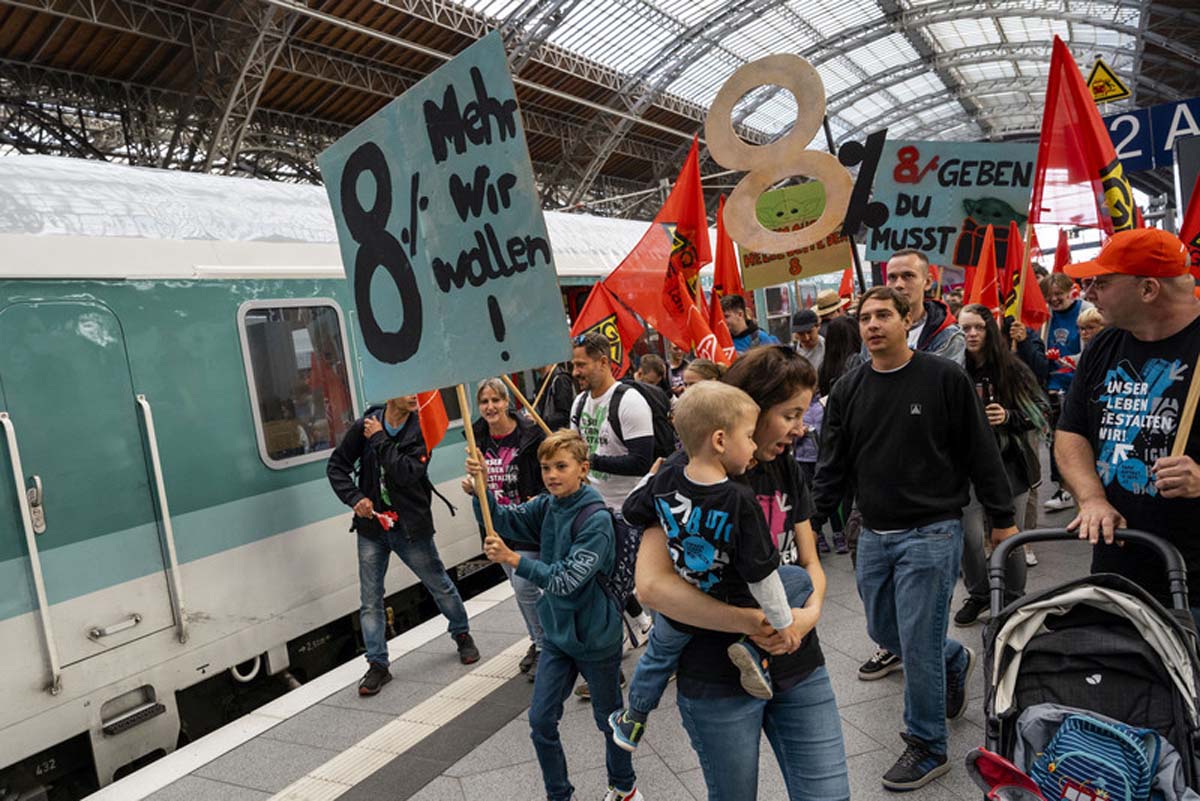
545,383
1184,428
508,382
473,451
1026,257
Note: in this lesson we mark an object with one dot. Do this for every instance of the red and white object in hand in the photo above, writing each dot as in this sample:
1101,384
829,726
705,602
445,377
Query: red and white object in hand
387,519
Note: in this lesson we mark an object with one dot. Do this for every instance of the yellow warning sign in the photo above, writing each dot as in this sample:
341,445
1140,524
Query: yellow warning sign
1104,84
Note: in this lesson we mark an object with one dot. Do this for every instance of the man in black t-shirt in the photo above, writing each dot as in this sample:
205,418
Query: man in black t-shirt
1119,419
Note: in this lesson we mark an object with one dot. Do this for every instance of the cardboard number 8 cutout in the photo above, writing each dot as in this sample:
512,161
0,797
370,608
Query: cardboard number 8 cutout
765,165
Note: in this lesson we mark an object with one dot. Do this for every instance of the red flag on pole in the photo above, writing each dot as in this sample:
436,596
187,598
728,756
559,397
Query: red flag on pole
1189,232
846,288
1035,312
985,284
1062,253
655,279
431,414
1078,179
715,319
727,277
602,312
1010,276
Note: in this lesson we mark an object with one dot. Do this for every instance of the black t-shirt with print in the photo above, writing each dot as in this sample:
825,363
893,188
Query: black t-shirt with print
1126,400
716,533
500,460
704,667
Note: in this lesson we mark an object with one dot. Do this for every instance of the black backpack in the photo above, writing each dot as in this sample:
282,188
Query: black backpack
618,583
660,411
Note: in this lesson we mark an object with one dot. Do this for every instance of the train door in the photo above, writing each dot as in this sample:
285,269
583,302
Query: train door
72,413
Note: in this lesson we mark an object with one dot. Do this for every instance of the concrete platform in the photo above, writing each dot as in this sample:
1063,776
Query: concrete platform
446,732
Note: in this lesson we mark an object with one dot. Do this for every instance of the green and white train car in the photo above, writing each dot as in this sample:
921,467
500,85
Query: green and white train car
177,358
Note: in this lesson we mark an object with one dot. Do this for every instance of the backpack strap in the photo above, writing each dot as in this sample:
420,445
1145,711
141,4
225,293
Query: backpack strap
614,409
756,338
577,409
585,514
581,518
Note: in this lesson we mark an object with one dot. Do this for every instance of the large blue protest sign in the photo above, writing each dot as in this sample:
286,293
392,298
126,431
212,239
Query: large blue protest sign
941,196
442,235
1145,138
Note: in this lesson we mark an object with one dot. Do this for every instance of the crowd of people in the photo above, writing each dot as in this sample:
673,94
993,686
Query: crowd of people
906,428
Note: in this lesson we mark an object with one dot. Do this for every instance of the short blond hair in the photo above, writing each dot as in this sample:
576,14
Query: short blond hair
707,407
1090,315
564,439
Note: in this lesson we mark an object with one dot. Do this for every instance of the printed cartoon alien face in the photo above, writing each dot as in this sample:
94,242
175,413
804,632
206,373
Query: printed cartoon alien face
992,211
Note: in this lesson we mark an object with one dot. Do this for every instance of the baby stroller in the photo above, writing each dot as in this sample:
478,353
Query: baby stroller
1100,644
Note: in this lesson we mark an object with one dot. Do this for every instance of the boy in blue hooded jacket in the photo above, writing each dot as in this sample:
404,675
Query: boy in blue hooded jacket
583,628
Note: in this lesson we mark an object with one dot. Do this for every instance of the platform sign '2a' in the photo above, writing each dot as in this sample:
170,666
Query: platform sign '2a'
442,235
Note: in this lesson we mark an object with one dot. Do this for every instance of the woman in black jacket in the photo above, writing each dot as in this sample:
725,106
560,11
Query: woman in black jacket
1014,405
509,446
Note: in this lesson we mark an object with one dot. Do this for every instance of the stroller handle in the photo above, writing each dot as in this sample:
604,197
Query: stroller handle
1176,570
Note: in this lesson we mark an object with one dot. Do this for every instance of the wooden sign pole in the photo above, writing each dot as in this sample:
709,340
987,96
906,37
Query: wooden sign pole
473,450
1184,429
508,382
545,383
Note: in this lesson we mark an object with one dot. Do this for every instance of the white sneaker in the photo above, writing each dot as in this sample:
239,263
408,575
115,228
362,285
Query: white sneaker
1059,500
644,624
1030,558
614,794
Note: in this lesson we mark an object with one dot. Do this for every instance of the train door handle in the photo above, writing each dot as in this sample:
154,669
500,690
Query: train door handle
115,628
37,510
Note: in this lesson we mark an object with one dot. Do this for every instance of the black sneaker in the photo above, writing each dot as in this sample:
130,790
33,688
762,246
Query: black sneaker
376,676
916,767
973,610
584,694
956,688
880,665
529,659
468,654
532,674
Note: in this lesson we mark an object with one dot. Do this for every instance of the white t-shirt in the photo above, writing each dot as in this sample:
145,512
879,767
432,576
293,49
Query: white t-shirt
914,333
636,423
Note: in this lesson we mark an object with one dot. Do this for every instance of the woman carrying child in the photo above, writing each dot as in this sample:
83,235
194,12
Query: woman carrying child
801,718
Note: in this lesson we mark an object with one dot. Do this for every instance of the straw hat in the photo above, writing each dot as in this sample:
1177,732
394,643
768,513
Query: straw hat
828,302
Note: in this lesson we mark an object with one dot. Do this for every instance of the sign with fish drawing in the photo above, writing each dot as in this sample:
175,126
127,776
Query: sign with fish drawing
941,196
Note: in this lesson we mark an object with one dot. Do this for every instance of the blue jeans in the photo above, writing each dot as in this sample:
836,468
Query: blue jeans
527,594
555,677
905,580
421,557
802,725
661,657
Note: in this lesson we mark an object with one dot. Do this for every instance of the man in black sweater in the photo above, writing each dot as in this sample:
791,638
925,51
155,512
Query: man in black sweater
907,432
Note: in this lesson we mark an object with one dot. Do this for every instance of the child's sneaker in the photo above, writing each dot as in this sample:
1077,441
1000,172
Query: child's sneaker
822,543
626,732
614,794
756,680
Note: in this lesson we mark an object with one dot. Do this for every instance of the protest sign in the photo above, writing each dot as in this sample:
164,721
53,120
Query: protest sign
791,209
442,235
942,195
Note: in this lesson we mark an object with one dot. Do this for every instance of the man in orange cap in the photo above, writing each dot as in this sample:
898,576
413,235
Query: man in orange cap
1121,413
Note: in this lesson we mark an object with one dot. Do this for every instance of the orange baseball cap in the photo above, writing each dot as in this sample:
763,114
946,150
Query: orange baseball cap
1140,251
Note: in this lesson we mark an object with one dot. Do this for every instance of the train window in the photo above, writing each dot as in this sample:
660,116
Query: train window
297,366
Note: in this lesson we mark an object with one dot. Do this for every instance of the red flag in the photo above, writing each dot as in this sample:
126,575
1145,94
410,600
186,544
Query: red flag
1010,276
846,288
431,413
604,313
727,277
1035,312
1189,232
655,278
1078,179
1062,253
715,318
701,338
985,284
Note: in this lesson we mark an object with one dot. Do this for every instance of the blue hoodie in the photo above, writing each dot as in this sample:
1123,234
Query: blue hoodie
578,617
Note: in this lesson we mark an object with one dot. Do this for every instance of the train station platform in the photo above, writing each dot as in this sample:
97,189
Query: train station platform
441,731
